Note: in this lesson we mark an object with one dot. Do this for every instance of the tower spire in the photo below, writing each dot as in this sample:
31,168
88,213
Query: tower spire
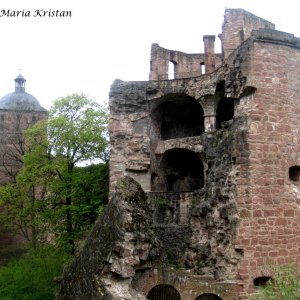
20,83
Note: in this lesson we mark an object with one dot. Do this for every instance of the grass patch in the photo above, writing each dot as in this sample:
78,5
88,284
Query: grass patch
285,285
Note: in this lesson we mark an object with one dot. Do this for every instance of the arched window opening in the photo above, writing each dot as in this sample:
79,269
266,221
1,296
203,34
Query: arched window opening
208,296
179,116
262,280
172,70
202,68
225,112
183,170
294,173
163,292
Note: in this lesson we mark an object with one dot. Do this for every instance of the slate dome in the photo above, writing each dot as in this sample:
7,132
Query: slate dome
19,99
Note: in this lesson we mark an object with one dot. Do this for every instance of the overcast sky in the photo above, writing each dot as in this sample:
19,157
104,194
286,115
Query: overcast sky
109,39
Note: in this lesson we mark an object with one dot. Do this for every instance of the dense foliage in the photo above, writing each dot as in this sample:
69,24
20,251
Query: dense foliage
32,277
56,196
52,195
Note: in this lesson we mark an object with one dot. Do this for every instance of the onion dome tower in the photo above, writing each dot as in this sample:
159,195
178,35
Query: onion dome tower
19,100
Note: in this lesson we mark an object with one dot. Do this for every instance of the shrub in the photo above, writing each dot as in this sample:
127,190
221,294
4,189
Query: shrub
285,285
32,277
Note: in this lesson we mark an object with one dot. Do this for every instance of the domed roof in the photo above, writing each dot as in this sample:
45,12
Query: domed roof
19,99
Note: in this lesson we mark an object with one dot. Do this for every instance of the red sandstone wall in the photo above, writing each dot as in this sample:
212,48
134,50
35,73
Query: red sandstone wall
186,65
268,201
237,27
264,80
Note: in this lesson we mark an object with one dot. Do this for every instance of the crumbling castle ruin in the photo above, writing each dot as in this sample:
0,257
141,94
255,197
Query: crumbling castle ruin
217,152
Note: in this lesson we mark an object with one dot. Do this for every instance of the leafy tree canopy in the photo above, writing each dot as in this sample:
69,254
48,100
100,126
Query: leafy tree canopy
52,186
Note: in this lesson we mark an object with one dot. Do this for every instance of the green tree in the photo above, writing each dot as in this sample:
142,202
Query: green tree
24,204
90,190
75,133
23,201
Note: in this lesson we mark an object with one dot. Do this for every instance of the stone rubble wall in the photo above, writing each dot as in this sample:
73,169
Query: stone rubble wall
237,27
185,65
218,238
121,242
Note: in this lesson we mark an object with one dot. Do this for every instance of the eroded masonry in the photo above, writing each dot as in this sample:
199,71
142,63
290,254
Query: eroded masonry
216,149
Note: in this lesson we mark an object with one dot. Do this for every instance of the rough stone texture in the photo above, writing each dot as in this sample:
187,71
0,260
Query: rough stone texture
237,27
122,243
129,251
135,147
219,156
185,65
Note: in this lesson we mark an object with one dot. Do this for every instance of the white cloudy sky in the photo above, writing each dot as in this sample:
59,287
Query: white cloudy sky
108,39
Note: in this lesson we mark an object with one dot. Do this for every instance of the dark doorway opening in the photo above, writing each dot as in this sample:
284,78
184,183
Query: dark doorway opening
262,280
183,170
225,112
179,116
163,292
294,173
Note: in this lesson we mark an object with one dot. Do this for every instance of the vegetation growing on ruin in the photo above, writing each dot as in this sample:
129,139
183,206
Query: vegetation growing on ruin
285,285
160,202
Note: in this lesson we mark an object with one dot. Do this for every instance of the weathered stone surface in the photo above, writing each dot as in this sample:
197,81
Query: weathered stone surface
219,155
121,242
225,202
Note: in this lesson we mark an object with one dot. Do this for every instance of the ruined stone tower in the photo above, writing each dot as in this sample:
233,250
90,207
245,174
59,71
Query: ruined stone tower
219,155
217,151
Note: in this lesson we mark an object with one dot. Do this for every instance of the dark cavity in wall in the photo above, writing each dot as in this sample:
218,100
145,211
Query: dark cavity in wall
179,116
163,292
294,173
225,112
183,170
262,280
